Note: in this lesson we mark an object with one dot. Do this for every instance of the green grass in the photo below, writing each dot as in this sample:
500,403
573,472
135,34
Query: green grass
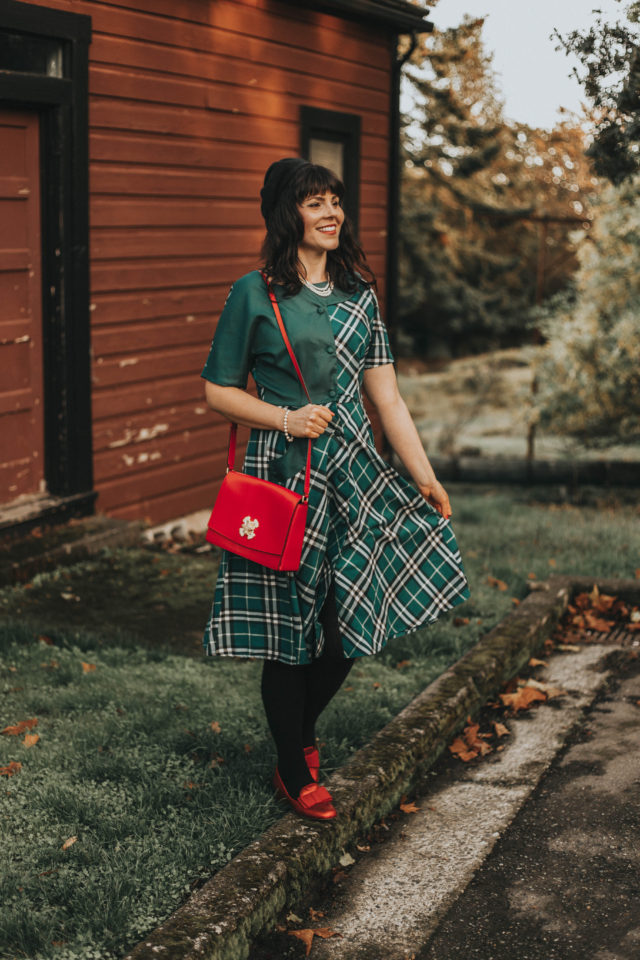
127,759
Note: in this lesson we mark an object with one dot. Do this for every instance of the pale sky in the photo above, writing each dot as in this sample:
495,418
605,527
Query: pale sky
534,77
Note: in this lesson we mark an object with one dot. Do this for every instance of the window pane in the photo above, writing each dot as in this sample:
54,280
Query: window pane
328,153
23,53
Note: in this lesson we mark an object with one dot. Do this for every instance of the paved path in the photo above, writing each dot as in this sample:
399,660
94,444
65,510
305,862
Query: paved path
497,864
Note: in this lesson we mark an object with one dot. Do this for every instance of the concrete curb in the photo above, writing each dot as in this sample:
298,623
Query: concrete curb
220,920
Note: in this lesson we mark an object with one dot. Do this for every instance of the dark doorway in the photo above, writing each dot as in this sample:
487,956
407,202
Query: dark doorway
45,408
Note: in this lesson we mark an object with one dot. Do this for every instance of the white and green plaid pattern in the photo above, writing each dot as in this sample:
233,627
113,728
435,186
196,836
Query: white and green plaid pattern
394,559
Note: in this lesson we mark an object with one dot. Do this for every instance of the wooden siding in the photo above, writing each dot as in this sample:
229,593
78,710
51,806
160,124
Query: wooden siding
190,100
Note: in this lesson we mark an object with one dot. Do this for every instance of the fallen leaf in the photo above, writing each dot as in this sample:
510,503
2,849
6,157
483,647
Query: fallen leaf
69,843
248,748
522,698
215,726
346,860
325,933
409,807
531,576
31,739
495,582
460,621
20,727
43,638
306,936
637,573
547,688
87,667
593,622
552,561
568,648
314,914
340,875
460,749
376,686
515,601
365,846
500,729
402,664
534,662
13,768
293,918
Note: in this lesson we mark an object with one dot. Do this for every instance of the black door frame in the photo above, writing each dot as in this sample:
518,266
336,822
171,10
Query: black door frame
62,104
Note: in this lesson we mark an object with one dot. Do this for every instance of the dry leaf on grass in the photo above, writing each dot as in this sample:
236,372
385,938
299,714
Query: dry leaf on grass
495,582
314,914
346,860
500,729
13,768
534,662
215,726
68,843
87,667
460,621
409,807
31,739
21,727
402,664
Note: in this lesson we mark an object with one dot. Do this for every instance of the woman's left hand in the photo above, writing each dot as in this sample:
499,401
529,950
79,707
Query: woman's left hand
435,494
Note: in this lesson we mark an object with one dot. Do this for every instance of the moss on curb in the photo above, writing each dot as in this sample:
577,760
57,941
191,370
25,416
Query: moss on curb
220,920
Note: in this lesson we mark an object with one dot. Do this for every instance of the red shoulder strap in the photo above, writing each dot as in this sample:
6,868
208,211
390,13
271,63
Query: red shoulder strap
231,451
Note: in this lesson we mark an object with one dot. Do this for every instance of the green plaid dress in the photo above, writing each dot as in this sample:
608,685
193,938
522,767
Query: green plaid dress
393,558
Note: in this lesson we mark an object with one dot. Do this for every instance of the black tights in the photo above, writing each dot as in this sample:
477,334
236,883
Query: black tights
295,696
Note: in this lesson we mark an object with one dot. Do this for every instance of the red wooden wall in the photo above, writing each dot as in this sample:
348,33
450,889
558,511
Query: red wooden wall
190,100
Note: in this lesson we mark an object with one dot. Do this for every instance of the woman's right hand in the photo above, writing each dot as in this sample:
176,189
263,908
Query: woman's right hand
309,421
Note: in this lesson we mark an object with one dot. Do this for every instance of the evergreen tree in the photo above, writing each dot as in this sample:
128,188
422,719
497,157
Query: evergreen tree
470,252
610,57
590,374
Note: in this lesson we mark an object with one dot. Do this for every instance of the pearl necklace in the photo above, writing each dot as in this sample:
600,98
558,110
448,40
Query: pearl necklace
325,291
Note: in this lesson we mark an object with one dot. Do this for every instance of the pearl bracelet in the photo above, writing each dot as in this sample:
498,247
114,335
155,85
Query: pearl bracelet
284,425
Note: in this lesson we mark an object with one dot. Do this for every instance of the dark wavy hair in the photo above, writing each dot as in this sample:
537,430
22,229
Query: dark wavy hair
347,265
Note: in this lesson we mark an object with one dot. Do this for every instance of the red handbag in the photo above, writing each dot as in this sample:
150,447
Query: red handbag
255,518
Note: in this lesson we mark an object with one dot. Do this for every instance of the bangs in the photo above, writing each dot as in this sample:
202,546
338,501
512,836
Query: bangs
313,179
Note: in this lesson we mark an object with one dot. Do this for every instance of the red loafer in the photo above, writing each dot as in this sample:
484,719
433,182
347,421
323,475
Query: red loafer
314,800
312,757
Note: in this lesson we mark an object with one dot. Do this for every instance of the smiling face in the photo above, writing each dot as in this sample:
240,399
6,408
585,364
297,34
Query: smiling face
322,217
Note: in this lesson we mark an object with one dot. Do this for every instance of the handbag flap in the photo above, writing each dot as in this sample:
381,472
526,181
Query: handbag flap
252,512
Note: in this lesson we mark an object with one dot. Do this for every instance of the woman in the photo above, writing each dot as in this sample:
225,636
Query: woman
379,559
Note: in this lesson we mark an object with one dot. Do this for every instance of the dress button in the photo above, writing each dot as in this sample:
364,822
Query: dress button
331,350
332,392
320,309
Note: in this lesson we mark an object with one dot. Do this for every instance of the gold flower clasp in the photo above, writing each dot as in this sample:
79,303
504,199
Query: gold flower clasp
248,528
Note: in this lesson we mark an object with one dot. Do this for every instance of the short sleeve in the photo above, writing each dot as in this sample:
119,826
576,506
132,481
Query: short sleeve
231,355
379,350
